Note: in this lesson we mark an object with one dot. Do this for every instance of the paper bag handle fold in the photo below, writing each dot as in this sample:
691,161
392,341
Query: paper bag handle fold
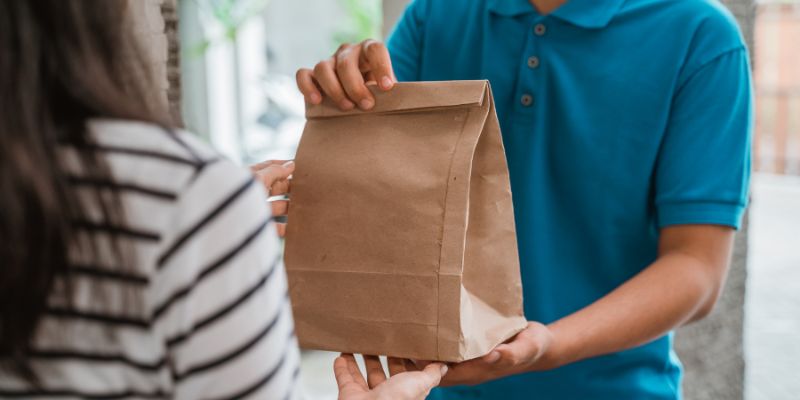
410,96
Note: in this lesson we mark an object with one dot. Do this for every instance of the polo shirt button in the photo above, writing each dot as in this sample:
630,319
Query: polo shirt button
533,62
539,29
526,100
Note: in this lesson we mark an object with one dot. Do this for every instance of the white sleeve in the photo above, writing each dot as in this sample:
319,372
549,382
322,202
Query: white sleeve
221,293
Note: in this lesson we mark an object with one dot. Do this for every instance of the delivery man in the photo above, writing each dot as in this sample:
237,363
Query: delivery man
627,132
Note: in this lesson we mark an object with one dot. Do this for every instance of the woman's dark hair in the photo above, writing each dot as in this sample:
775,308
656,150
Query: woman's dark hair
62,63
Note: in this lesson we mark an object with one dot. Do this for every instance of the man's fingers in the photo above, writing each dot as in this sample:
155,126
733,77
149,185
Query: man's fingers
342,77
493,357
352,79
410,365
305,82
466,372
396,365
376,57
325,74
375,374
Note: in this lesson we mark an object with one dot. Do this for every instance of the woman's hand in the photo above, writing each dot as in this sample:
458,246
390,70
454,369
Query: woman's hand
529,350
275,175
406,383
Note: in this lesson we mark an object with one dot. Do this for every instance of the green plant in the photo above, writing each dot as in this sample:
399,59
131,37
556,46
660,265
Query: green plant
363,21
228,16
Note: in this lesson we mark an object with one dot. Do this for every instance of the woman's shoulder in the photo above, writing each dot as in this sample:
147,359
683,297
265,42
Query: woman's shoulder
175,186
143,137
165,156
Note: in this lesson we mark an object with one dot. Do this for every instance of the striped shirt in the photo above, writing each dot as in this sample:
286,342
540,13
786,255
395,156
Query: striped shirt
203,312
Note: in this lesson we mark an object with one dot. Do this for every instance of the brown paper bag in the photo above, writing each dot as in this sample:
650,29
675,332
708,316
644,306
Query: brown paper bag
401,237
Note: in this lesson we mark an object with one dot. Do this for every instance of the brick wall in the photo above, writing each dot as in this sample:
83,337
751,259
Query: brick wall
777,140
169,12
156,22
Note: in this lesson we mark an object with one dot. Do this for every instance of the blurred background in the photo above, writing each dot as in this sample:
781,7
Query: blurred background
229,66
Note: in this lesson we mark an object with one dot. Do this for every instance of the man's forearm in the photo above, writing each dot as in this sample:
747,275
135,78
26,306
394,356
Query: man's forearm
676,289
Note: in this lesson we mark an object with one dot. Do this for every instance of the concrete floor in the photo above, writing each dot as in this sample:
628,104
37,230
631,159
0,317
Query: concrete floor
316,375
772,338
772,314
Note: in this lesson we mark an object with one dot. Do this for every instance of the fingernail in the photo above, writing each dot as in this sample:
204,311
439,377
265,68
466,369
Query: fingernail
366,104
386,82
315,98
444,369
493,357
346,105
288,164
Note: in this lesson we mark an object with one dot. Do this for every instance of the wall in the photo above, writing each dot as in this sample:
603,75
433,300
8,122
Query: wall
169,12
299,33
777,141
712,350
155,22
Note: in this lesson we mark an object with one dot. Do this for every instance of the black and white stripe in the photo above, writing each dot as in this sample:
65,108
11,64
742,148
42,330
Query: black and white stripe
211,317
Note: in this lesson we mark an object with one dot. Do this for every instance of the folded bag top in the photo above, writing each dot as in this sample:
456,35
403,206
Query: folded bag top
414,96
401,237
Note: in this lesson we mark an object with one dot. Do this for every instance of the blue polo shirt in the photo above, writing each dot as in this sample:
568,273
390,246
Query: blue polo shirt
619,117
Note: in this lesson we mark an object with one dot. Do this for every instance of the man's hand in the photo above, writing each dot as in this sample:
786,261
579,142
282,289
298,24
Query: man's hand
406,382
530,350
275,175
343,77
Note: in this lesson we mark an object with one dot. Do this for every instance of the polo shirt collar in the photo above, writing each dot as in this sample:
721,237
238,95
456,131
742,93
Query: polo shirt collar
588,14
584,13
510,8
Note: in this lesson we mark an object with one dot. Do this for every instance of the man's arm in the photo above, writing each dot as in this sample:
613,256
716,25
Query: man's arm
681,286
700,184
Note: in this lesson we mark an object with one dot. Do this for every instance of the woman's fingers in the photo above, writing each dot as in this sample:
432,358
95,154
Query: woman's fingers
281,187
279,208
281,229
351,366
414,385
264,164
396,365
405,384
375,373
274,173
432,375
343,375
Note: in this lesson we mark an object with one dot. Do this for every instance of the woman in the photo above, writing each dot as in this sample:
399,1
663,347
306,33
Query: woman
135,261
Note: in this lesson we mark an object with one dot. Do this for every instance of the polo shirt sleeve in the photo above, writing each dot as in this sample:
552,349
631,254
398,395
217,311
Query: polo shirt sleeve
405,42
703,169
